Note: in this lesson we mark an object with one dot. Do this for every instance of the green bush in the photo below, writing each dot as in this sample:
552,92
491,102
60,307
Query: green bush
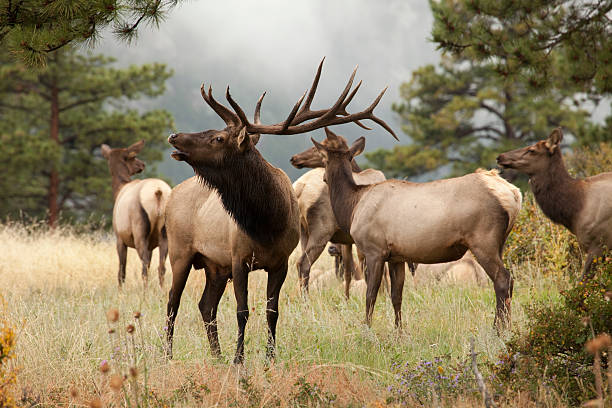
537,240
550,350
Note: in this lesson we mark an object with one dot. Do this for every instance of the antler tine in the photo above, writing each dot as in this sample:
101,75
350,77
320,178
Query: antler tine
342,110
236,107
373,118
293,112
257,109
227,115
350,97
336,115
313,88
334,109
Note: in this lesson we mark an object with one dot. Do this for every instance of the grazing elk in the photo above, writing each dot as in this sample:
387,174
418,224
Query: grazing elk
583,206
317,221
400,221
245,216
138,213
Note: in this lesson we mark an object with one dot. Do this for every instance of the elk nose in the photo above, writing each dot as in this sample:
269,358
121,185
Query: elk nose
499,158
172,137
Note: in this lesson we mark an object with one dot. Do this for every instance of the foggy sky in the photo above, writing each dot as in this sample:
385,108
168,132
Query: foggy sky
275,46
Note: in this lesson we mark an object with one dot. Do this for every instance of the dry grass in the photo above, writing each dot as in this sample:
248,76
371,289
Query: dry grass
59,285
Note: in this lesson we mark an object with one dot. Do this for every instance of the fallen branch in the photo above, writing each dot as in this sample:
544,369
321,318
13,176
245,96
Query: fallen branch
488,401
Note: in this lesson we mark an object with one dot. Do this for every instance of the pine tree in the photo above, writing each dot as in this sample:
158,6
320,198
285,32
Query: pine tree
53,120
544,43
461,114
30,29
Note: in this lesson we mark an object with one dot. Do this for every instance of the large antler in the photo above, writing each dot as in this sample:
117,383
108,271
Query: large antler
294,123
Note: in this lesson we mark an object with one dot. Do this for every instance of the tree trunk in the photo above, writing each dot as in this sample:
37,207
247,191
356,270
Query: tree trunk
54,176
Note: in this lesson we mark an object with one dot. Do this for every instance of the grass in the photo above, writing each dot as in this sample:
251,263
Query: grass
58,287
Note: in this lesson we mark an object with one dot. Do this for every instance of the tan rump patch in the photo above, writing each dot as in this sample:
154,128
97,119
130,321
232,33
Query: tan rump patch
508,195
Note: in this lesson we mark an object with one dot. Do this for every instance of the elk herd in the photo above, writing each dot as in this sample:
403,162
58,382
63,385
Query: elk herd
238,213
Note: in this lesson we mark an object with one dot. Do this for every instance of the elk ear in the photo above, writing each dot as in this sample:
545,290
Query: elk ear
255,138
554,140
357,148
320,148
134,149
330,135
106,151
244,138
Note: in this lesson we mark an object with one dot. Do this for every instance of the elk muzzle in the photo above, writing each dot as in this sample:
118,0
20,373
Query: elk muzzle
177,154
504,161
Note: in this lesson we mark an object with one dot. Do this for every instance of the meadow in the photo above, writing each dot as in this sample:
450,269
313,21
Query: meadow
58,287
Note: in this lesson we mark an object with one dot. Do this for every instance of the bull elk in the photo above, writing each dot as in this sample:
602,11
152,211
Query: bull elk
138,212
399,221
244,214
583,206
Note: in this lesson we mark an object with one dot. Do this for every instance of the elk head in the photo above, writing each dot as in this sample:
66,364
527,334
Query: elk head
123,161
335,152
216,149
311,158
535,158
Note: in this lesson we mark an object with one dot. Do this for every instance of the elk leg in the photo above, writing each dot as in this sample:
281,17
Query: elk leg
375,272
361,261
386,281
163,253
397,273
122,252
312,253
275,282
587,270
347,260
241,280
502,283
180,271
215,286
412,266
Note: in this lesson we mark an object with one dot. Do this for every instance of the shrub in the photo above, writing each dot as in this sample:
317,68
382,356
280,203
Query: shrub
537,240
550,351
7,353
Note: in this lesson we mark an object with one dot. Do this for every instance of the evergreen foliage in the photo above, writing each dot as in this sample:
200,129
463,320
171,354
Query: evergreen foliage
558,43
30,29
52,122
460,115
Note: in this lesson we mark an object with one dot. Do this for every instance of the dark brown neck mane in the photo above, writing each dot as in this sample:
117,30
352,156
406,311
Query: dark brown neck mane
559,195
344,193
120,177
251,193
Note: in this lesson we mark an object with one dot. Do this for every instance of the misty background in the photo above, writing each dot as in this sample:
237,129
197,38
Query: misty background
276,46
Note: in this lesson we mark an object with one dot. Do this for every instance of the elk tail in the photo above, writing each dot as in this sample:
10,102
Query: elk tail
507,194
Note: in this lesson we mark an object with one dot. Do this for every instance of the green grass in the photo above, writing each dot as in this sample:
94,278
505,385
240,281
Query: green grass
58,286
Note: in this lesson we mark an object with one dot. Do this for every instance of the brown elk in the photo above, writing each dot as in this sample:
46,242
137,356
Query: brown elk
400,221
138,213
583,206
261,226
317,221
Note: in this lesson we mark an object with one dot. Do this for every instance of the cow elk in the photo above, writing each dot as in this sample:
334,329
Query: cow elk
240,213
583,206
400,221
318,224
138,213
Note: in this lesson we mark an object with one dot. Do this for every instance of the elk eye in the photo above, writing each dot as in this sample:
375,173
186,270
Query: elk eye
218,139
